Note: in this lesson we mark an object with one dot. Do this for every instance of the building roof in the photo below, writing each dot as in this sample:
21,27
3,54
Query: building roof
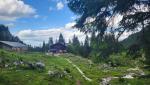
58,46
13,44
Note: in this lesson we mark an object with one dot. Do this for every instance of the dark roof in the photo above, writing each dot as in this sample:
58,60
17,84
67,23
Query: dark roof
13,44
58,46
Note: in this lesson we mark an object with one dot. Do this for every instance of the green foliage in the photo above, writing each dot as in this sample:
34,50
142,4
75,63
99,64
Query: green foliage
61,39
50,41
134,17
5,35
120,60
103,48
74,47
136,81
86,47
58,65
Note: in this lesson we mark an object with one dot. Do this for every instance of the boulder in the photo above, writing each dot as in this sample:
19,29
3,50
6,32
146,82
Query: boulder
56,74
40,65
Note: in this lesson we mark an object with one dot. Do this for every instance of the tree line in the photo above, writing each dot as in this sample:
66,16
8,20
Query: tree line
135,13
5,35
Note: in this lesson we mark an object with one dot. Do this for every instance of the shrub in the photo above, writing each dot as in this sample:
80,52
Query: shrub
119,60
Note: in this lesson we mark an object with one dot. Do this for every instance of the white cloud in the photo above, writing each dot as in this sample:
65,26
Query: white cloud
36,37
14,9
125,35
60,5
89,20
70,25
10,25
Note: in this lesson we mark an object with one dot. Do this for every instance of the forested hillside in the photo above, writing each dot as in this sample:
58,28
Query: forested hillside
5,35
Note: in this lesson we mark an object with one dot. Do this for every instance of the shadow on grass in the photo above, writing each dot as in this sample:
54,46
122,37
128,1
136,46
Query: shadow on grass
146,67
145,76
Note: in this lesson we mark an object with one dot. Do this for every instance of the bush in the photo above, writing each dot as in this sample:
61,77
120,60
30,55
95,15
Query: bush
119,60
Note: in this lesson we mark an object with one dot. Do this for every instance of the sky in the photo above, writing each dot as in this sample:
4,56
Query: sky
34,21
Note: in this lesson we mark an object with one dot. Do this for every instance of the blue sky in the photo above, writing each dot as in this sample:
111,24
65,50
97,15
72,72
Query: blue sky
34,21
47,15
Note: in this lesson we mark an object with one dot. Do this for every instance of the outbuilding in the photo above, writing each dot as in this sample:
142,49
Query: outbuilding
13,46
58,48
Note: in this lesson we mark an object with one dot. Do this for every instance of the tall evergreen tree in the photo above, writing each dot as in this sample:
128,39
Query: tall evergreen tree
135,13
76,45
86,47
44,47
75,41
61,39
50,41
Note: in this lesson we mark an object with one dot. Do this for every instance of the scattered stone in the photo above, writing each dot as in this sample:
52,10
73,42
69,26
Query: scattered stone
137,71
105,81
31,66
6,65
56,74
133,69
40,65
16,63
129,76
142,73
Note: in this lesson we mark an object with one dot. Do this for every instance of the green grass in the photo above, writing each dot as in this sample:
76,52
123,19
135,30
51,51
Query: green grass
18,76
136,81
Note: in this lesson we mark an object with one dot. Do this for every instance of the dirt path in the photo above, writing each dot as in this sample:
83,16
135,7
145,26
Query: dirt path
80,71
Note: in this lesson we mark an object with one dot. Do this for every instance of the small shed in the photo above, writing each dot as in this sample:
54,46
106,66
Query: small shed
58,48
13,46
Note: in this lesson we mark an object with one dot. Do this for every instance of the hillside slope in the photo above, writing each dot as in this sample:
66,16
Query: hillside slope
5,35
41,69
132,39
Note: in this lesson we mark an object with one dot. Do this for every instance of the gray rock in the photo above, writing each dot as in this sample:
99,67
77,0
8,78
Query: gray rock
6,65
56,74
40,65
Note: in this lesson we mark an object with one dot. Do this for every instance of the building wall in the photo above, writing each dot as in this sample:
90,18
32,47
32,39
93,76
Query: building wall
17,49
6,47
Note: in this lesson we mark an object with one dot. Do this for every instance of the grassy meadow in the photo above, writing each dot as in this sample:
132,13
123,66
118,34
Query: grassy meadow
11,74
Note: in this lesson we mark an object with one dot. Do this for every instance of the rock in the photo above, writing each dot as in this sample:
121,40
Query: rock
142,73
56,74
137,71
6,65
105,81
31,66
133,69
129,76
40,65
16,63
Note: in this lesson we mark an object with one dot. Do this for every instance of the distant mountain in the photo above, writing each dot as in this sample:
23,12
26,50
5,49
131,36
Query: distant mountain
5,35
132,39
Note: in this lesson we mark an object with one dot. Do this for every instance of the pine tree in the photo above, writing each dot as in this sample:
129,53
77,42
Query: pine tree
86,47
76,45
44,47
61,39
50,41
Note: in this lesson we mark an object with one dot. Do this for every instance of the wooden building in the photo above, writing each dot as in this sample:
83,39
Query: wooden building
58,48
13,46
